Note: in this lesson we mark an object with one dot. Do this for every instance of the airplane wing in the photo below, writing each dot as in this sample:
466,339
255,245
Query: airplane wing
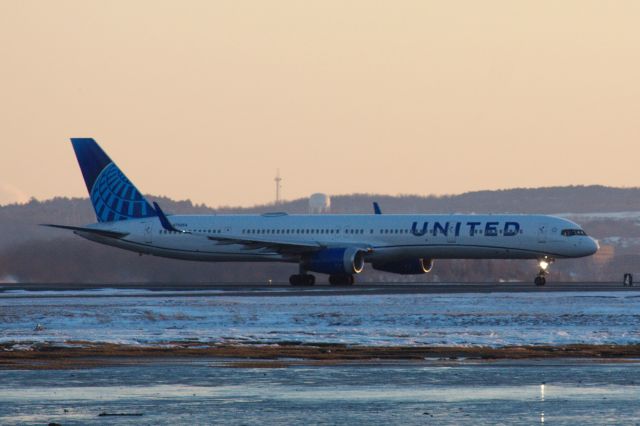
280,246
295,248
248,243
284,247
100,232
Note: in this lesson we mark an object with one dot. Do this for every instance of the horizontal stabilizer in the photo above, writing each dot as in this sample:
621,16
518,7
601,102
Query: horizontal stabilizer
100,232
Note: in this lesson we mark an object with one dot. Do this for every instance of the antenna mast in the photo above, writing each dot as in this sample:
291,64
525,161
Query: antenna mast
278,179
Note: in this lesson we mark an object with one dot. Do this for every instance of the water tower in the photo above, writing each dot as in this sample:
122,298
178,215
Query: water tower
319,203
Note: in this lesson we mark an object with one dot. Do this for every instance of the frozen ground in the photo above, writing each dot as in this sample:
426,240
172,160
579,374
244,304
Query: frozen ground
494,319
196,392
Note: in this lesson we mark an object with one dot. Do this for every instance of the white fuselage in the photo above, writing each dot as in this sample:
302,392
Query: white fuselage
390,237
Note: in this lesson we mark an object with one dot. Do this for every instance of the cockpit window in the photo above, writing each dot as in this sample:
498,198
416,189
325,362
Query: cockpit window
572,232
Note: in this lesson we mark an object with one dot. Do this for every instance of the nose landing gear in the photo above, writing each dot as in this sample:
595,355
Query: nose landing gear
544,271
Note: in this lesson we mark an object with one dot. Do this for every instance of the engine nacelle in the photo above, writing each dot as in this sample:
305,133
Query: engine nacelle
406,267
336,261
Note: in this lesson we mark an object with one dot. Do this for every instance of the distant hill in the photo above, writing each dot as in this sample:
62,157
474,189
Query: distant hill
31,252
18,222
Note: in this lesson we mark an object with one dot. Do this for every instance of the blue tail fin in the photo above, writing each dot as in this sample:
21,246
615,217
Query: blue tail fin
113,196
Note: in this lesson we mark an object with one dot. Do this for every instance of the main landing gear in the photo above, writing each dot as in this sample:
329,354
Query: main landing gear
302,279
544,271
342,279
305,279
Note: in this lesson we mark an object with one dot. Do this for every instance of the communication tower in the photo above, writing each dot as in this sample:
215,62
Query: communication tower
278,180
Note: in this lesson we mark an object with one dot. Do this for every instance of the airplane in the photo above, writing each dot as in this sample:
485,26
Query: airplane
339,245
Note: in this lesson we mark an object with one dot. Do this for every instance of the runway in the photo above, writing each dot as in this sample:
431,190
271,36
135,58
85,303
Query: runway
281,289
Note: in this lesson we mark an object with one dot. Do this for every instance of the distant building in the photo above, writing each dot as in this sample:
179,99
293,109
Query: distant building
319,203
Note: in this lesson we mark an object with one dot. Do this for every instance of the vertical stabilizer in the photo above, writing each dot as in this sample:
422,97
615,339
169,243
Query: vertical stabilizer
113,196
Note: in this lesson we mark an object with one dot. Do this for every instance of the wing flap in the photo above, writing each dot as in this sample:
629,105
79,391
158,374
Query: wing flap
285,247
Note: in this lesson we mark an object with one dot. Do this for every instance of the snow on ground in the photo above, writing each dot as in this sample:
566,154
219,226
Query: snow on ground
495,319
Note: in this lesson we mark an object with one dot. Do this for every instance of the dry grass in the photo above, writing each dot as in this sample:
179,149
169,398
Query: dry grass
87,355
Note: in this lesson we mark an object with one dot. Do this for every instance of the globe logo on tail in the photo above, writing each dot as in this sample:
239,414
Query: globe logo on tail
115,198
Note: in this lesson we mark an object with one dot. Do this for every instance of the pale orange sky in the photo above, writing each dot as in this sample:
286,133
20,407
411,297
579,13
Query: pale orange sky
206,99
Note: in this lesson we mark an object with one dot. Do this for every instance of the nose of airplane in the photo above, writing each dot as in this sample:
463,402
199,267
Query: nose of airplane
591,246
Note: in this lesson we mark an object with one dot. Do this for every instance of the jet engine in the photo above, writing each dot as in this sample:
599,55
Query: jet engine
335,261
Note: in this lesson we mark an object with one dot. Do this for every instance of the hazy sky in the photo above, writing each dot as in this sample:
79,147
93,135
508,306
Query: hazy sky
206,99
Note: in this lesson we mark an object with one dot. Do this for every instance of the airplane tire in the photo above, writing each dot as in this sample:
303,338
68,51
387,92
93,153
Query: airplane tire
540,281
302,279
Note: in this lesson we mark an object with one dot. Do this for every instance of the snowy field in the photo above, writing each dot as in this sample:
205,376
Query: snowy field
495,319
